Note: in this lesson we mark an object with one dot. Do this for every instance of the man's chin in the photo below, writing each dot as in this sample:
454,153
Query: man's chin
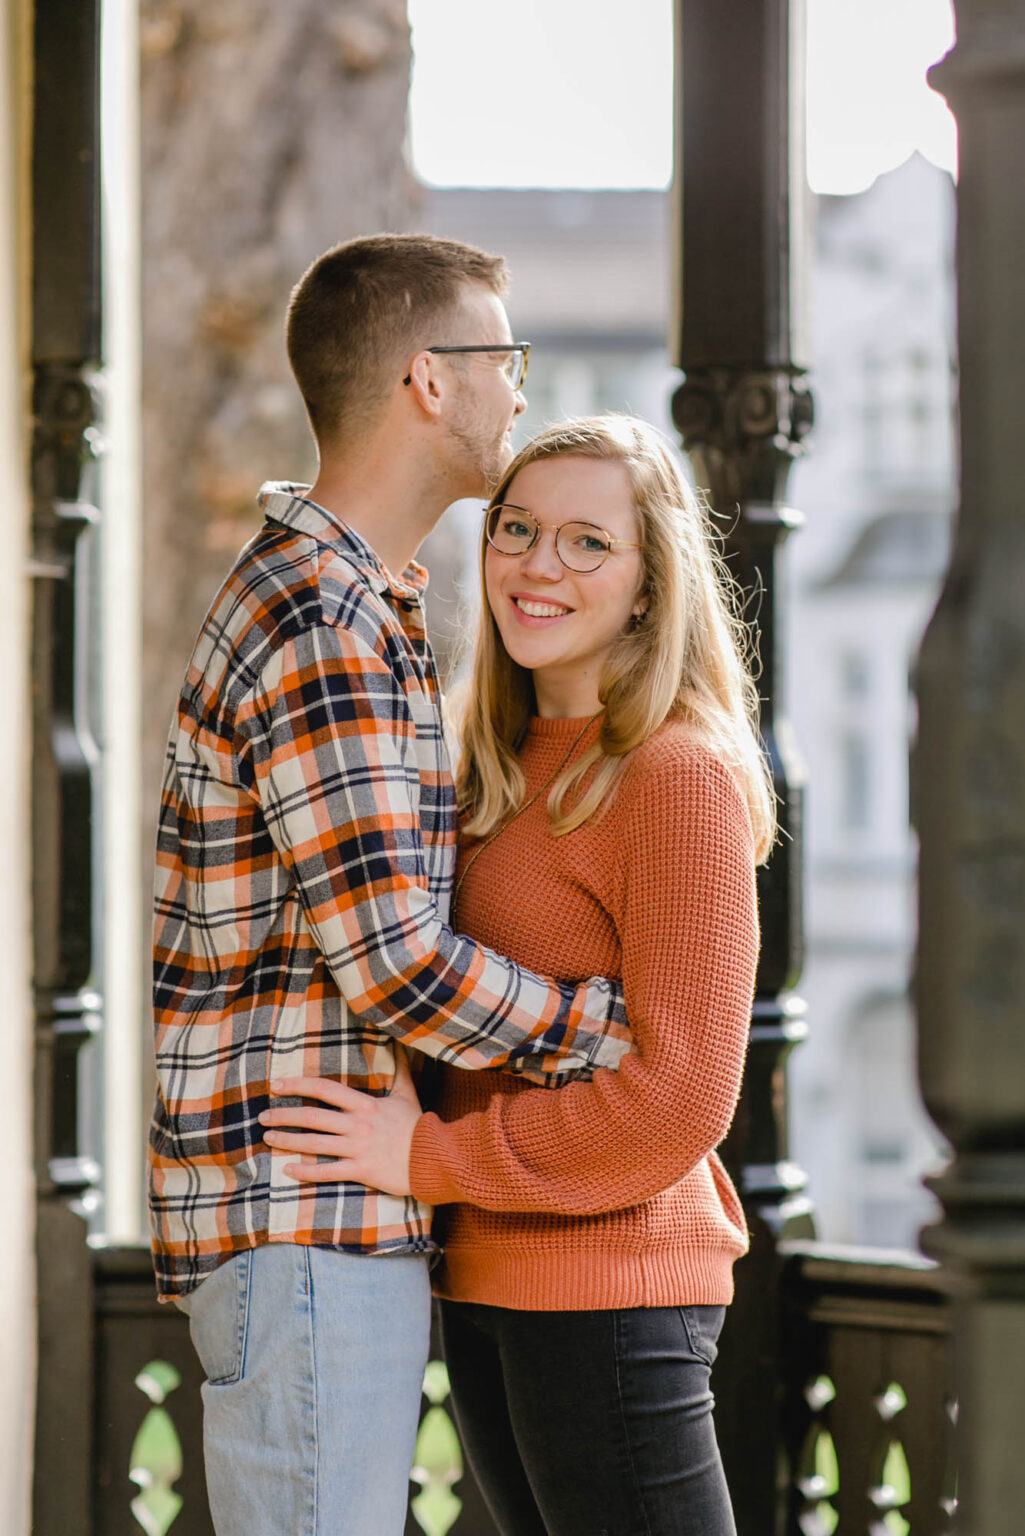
486,473
498,462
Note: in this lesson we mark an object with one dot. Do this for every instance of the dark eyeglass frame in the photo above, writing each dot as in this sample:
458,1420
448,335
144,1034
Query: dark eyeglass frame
574,522
523,347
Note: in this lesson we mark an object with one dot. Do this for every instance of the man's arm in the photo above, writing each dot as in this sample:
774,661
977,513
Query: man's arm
331,737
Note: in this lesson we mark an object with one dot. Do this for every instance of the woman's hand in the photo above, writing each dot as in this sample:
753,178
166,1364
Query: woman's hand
367,1139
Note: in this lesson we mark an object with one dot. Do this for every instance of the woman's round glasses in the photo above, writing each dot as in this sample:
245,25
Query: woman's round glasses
582,547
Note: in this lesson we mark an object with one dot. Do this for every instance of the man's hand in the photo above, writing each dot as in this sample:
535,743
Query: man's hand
367,1139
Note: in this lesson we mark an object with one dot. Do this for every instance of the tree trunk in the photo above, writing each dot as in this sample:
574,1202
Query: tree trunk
269,132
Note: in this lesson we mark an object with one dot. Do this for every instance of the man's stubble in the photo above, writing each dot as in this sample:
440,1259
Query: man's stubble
485,451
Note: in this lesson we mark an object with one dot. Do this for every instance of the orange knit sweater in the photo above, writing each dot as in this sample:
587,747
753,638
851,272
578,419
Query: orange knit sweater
608,1193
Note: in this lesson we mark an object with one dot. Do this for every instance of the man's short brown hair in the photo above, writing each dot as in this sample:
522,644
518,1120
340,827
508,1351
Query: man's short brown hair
363,309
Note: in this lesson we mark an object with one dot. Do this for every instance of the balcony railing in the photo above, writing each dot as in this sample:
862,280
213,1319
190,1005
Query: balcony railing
867,1423
869,1411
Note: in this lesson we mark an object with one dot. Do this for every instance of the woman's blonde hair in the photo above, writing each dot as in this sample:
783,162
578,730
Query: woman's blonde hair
687,659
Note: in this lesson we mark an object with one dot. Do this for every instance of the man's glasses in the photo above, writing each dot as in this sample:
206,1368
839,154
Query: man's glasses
582,547
514,365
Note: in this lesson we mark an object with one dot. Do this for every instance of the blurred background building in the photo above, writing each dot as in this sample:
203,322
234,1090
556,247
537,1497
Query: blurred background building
878,493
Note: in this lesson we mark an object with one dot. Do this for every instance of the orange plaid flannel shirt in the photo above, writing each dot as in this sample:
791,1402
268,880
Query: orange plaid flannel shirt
304,864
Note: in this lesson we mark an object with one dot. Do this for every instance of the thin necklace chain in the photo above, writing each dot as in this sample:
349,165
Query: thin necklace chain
535,797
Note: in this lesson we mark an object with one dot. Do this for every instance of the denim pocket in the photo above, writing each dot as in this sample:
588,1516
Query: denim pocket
218,1319
703,1326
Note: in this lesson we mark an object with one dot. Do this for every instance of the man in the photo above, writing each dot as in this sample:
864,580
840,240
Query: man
304,861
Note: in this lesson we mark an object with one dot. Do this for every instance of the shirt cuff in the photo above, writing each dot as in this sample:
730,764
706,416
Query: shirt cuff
610,1049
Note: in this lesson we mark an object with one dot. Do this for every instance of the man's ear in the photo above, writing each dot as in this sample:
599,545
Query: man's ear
424,384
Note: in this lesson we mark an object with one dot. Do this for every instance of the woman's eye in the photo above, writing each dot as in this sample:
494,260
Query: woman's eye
590,544
515,529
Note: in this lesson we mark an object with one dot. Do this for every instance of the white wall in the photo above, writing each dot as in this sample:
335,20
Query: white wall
17,1283
125,909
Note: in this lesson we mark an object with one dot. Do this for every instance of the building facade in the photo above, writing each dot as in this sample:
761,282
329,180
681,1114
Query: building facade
878,493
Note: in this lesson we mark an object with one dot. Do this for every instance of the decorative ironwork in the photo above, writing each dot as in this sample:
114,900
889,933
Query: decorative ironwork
165,1460
156,1458
65,351
867,1422
743,412
742,429
868,1435
148,1466
437,1460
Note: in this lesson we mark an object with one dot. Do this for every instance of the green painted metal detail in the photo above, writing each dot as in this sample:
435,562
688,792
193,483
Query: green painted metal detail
818,1471
897,1473
436,1383
893,1488
819,1475
155,1463
437,1460
819,1393
891,1402
158,1380
819,1520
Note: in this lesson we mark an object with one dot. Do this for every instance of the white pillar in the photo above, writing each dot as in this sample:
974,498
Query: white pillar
125,908
17,1204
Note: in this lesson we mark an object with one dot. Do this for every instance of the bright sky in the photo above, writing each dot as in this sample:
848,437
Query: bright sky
578,93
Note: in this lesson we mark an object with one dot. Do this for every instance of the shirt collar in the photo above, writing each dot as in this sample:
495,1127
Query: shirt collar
287,503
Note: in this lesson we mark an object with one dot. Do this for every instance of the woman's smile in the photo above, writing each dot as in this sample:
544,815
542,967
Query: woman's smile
534,611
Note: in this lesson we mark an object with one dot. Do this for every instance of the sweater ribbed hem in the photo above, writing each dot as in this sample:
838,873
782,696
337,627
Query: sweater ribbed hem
586,1280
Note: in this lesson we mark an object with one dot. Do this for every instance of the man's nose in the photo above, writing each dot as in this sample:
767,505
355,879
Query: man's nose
520,403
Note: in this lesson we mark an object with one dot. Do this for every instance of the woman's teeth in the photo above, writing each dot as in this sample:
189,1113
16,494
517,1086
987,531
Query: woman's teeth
540,610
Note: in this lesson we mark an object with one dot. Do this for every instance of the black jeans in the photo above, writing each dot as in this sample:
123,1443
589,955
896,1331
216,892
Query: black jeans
590,1423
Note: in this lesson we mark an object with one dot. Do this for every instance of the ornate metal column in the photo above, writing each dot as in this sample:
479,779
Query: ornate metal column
970,769
65,347
743,411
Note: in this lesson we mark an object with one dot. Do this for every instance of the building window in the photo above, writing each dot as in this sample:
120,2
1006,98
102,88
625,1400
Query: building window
855,675
855,780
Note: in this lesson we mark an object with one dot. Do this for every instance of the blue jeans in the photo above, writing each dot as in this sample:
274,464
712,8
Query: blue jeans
314,1361
590,1423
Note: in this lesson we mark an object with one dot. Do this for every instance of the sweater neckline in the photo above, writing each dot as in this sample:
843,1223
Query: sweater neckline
561,729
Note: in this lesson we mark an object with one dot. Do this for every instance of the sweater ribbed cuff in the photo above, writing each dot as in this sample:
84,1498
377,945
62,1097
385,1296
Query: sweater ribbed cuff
428,1181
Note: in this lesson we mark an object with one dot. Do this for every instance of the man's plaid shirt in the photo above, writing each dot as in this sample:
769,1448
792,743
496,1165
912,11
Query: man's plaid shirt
304,863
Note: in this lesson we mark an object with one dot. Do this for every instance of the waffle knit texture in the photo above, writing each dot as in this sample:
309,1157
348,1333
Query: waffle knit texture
607,1194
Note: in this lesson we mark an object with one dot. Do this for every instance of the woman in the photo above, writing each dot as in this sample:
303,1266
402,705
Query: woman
614,803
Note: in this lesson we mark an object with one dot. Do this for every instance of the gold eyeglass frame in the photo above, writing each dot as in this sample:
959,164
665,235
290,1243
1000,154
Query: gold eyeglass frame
578,522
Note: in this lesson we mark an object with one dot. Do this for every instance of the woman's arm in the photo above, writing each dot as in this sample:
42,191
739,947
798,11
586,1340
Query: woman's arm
684,905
